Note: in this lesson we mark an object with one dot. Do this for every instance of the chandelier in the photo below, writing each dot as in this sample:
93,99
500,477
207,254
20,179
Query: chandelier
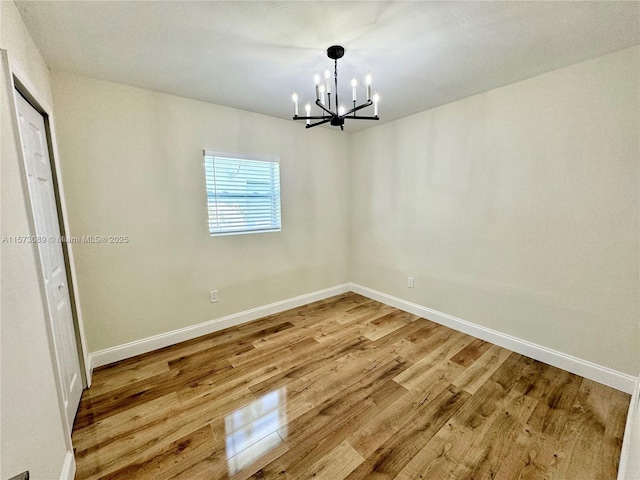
336,114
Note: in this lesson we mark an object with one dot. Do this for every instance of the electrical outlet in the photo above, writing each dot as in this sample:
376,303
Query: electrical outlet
213,296
410,282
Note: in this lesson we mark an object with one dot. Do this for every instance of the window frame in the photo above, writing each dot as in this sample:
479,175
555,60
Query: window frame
272,159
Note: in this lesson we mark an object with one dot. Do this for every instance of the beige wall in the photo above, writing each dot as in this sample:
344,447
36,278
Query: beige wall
132,165
515,209
32,433
18,42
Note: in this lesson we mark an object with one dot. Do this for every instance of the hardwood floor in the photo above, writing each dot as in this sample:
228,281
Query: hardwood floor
345,388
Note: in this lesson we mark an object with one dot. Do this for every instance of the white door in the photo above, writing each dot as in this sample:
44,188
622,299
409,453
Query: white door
43,203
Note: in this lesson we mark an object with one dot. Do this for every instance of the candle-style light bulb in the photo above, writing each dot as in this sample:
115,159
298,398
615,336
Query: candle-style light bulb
367,80
327,76
376,100
307,108
316,79
354,84
341,110
294,97
321,94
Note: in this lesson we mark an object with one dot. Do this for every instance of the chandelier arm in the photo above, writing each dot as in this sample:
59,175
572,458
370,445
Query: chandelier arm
316,117
364,118
317,123
354,109
318,103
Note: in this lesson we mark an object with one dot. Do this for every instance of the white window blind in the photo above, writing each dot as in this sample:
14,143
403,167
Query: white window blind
243,193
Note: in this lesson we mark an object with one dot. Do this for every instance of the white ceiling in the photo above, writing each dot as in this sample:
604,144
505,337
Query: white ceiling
252,55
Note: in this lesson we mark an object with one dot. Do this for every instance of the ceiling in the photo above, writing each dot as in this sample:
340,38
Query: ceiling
253,55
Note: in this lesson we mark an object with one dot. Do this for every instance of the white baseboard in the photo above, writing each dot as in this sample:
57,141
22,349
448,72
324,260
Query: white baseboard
612,378
630,453
69,467
618,380
131,349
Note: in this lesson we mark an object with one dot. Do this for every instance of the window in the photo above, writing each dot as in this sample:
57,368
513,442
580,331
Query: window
243,193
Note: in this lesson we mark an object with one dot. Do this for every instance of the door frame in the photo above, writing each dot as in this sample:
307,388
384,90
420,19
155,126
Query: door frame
19,81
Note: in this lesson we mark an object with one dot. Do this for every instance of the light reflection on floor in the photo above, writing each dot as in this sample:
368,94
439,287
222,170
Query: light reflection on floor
252,431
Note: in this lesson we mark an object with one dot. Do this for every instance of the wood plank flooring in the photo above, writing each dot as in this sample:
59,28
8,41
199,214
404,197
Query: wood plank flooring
345,388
